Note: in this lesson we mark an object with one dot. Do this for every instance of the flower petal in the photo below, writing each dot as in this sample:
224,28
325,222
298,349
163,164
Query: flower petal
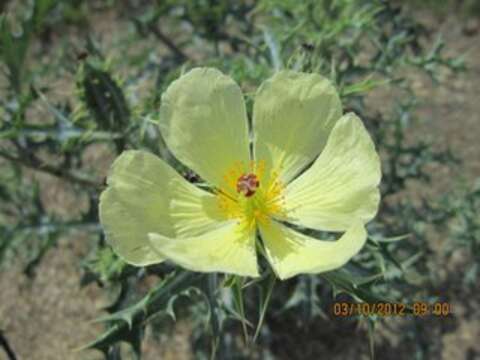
291,253
204,123
227,249
342,184
292,117
145,195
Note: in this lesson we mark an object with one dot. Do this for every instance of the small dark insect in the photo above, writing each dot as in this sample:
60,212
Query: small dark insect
82,55
190,176
308,46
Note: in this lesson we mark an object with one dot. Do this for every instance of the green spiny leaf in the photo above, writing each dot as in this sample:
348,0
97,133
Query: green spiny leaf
128,324
105,99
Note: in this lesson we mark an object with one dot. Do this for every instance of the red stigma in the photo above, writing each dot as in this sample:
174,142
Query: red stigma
247,184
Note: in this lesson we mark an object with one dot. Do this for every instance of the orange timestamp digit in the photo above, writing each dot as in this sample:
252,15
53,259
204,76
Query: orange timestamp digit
436,309
367,309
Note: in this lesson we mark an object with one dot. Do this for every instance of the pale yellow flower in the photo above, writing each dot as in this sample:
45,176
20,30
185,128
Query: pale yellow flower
300,162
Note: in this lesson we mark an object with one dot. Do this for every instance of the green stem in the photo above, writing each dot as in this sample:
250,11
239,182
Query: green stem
6,346
39,165
169,43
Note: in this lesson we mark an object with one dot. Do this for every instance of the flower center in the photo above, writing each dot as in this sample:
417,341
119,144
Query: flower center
250,196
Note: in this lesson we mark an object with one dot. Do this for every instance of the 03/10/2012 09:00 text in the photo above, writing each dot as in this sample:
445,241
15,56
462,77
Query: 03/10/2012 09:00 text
344,309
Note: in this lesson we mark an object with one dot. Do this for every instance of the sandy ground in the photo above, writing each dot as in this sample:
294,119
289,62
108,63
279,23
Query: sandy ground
46,318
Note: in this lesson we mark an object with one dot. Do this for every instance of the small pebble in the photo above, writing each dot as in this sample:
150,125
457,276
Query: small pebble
471,27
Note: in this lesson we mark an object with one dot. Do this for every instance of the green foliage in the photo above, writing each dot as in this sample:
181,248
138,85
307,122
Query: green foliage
128,323
461,209
104,98
14,47
363,46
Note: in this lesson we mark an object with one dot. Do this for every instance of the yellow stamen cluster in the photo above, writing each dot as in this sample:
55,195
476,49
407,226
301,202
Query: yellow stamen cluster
265,202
